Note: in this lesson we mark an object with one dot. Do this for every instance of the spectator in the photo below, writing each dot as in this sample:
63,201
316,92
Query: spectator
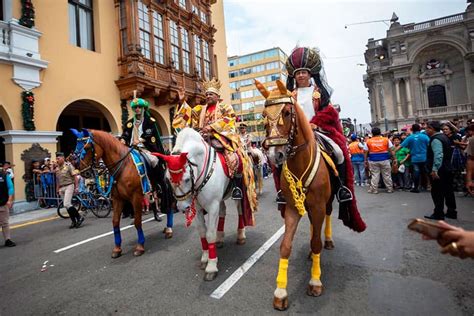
438,163
455,241
458,160
417,143
7,166
6,202
402,158
356,150
377,158
36,176
470,159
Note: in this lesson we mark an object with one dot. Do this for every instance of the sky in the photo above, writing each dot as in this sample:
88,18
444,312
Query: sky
253,25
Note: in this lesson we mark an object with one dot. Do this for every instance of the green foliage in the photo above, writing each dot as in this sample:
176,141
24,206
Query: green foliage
27,14
27,110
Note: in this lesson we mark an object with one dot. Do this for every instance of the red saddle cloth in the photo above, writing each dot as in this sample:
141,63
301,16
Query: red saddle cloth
224,164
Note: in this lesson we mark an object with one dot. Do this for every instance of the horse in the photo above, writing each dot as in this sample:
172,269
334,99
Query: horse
201,186
93,145
305,183
258,159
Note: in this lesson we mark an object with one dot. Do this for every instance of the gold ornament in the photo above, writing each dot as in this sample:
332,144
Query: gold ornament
129,125
153,139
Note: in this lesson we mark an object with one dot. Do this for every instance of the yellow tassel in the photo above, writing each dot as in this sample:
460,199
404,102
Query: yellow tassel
282,278
328,228
316,268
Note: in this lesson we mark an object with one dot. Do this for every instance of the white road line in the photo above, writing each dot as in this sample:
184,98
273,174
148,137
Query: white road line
235,277
100,236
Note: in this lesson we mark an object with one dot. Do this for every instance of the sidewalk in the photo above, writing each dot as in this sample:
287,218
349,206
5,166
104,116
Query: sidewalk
32,215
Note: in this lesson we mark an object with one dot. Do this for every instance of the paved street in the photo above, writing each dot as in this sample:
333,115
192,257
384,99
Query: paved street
385,270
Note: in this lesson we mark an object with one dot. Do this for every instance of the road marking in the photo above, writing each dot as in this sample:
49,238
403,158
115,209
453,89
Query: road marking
235,277
34,222
100,236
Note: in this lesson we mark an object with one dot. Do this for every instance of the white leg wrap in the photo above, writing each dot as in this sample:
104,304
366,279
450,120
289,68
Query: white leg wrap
205,256
220,236
315,282
168,230
280,293
241,233
211,266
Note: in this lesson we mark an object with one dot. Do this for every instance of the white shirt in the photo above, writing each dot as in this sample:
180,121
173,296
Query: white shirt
305,100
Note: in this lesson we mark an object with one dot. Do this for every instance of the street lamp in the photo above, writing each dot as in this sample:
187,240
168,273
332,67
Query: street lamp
355,126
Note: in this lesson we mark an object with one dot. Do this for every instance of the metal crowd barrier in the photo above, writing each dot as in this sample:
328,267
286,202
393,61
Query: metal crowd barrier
45,189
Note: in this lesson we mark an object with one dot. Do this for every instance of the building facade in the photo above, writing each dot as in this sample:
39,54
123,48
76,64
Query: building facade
422,71
82,60
266,66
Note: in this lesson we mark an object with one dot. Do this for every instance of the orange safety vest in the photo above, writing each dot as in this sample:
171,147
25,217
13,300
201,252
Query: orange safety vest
378,148
354,148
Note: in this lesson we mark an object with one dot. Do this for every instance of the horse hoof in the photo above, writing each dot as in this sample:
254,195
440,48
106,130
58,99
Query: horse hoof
202,265
280,304
314,290
210,276
329,244
219,244
138,252
168,235
116,254
241,242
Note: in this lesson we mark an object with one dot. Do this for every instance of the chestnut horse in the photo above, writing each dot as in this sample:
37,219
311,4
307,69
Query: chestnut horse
93,145
305,183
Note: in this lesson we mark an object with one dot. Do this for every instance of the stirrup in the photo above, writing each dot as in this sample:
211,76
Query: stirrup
237,193
280,198
343,190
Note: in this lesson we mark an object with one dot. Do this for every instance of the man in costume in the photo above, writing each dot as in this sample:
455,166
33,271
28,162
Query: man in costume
216,123
307,82
245,137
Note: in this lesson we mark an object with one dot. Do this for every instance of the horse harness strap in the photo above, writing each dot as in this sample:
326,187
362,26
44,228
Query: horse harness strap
208,174
314,169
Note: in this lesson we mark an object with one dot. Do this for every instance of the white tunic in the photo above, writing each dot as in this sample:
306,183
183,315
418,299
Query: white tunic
305,100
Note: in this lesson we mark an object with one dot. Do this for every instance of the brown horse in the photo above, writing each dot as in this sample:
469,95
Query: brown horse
93,145
305,183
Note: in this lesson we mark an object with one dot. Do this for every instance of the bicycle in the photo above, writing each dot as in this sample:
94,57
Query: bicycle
84,202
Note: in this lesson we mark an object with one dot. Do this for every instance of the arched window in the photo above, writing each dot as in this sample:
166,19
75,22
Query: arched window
436,96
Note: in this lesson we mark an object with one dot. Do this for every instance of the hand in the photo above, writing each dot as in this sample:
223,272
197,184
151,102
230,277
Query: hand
206,129
470,186
434,175
122,141
135,143
9,204
313,126
181,95
76,190
458,243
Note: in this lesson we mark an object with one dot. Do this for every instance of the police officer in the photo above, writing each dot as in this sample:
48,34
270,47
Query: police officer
6,202
67,184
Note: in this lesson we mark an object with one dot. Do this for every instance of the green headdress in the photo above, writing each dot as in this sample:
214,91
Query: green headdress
140,103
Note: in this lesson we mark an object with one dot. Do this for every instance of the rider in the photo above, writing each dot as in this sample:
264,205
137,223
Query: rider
216,123
313,95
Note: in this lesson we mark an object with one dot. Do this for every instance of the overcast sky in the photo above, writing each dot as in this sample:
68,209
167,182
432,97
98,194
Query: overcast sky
253,25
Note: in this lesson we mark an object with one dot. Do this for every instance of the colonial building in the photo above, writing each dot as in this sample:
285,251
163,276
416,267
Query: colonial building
422,71
266,66
76,64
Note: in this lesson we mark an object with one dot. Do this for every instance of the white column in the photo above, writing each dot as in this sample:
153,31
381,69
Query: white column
408,92
399,104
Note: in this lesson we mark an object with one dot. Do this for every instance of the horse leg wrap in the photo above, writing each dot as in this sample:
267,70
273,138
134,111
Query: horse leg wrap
282,277
241,233
118,238
169,219
220,225
328,228
141,236
241,222
204,244
316,269
212,251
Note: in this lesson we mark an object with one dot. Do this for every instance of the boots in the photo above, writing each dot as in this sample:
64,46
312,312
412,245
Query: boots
236,190
76,219
343,193
280,199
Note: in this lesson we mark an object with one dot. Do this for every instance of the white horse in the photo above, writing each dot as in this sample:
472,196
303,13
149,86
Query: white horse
200,185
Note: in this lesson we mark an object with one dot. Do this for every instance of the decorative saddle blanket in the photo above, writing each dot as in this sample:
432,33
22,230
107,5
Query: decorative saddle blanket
139,161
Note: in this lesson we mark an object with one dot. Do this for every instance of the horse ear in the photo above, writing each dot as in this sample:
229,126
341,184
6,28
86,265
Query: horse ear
162,156
281,87
75,132
263,91
85,132
183,157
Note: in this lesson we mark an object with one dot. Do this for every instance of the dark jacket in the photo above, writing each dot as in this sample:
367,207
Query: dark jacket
447,153
150,134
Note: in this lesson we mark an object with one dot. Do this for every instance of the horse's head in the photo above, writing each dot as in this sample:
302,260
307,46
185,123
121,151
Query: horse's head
280,121
86,153
180,174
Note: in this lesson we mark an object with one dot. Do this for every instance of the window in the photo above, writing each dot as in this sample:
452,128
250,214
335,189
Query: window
233,85
233,74
182,4
273,77
144,26
158,42
259,102
194,9
232,62
258,56
247,94
436,96
262,79
207,60
258,68
235,96
245,71
273,65
81,30
271,53
198,50
186,49
174,44
246,82
244,60
236,107
203,16
123,27
403,48
247,106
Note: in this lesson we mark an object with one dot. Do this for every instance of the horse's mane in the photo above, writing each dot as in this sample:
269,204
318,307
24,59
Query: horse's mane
107,141
184,137
304,124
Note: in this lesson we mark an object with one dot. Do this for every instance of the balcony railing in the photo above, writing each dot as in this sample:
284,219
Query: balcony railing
447,110
408,28
4,37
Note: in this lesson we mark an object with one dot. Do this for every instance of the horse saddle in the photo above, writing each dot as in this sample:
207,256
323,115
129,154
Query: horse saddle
330,147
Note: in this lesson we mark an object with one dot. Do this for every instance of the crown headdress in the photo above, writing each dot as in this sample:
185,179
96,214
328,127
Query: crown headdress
303,58
213,85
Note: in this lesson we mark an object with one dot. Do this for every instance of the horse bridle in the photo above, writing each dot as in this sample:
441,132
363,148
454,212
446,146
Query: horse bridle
195,191
274,119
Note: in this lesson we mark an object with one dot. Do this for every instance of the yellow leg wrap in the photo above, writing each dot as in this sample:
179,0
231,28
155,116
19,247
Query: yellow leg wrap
328,228
316,268
282,277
